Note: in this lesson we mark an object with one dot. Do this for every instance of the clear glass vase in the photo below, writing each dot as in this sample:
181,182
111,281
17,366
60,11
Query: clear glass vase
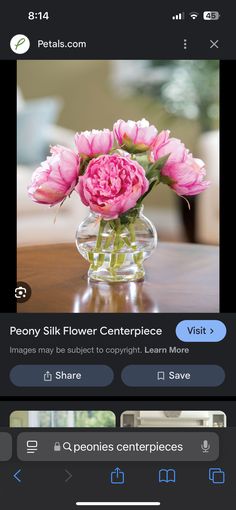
116,249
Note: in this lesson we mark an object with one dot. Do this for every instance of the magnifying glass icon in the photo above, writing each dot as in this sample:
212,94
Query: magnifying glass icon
67,446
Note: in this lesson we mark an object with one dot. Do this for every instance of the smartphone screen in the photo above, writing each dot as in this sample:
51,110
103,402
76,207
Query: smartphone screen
117,369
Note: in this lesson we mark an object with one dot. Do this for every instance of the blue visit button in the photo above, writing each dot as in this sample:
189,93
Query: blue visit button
201,331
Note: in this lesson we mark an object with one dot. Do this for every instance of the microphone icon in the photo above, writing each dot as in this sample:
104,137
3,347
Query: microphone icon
205,446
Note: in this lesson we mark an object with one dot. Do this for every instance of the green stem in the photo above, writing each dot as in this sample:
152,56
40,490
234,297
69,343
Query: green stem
117,240
117,259
132,236
101,256
138,257
108,241
98,246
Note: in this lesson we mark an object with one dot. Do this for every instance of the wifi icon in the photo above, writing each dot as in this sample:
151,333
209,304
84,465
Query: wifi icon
194,15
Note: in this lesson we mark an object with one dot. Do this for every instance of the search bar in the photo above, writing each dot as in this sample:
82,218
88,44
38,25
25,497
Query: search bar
117,446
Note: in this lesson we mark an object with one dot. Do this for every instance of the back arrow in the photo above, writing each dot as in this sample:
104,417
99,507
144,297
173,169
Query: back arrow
16,476
69,476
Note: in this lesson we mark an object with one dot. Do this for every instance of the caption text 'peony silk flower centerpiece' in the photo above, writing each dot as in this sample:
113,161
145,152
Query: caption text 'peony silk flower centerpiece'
113,172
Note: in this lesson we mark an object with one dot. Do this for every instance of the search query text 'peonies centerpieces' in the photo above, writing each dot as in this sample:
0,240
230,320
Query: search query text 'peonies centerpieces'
113,172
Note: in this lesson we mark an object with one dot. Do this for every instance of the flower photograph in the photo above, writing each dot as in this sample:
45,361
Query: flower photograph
118,186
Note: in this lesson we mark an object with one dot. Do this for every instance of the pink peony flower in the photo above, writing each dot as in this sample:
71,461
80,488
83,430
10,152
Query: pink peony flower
187,177
56,177
186,174
112,184
92,143
138,136
165,145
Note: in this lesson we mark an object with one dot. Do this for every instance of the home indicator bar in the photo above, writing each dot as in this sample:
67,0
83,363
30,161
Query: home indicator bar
116,503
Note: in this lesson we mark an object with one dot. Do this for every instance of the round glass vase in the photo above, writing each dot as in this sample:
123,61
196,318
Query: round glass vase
116,249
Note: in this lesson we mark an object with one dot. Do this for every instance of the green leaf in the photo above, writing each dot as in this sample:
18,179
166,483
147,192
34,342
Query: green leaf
154,173
130,215
83,166
155,168
133,148
143,161
164,179
112,224
154,182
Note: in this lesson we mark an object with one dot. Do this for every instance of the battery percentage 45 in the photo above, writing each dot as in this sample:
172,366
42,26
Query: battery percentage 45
211,15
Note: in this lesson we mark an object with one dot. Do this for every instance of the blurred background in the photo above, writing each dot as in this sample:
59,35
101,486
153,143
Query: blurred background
57,98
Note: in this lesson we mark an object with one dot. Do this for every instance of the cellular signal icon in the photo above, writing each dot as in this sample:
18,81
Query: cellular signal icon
179,17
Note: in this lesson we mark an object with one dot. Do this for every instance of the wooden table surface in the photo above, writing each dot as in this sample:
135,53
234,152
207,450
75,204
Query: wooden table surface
179,278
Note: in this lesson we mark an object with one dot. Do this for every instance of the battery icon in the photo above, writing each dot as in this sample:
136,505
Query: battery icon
211,15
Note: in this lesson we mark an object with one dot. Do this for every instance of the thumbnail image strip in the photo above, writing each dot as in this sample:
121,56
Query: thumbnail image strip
171,418
77,419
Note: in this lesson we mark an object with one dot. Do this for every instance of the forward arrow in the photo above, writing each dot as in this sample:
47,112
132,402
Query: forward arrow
69,475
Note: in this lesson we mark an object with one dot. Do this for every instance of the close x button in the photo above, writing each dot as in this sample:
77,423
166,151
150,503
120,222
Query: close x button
173,375
214,44
61,375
